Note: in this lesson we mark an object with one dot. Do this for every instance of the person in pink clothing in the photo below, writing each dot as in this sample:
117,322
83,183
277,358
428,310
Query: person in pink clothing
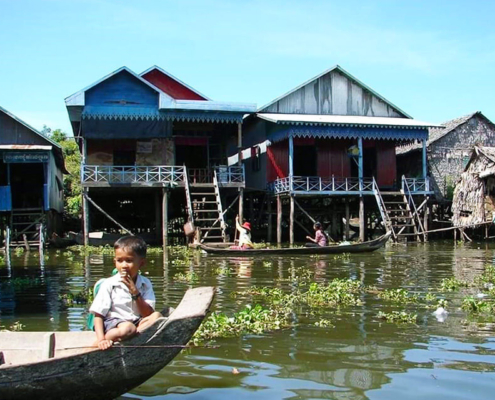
320,236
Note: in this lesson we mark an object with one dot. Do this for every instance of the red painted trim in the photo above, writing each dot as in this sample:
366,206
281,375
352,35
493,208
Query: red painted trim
170,86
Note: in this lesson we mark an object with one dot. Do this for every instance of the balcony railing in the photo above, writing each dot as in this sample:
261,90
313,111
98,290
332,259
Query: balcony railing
313,184
141,175
416,185
172,175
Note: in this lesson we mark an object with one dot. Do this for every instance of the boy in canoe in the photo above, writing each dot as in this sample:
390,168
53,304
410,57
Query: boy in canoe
125,303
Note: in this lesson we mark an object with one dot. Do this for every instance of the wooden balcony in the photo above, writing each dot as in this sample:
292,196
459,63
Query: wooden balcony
312,185
159,176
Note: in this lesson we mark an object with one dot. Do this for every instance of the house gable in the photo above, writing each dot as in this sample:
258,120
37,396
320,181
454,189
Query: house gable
122,89
334,92
171,85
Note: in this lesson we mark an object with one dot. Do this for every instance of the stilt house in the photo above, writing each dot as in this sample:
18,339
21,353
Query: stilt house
330,143
155,154
474,194
449,149
31,182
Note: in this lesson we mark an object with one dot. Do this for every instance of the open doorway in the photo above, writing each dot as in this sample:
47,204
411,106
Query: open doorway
26,181
369,162
305,161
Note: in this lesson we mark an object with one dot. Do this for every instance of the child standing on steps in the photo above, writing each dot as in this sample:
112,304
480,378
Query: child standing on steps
125,303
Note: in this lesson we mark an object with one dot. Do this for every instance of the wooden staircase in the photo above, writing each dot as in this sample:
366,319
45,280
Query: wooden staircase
395,209
27,227
205,210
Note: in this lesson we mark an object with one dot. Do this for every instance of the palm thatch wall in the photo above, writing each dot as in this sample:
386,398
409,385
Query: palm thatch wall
474,194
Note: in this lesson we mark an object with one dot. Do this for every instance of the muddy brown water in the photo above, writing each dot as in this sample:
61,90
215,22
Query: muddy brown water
362,357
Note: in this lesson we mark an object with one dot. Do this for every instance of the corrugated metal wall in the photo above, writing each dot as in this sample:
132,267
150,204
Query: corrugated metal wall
333,158
385,163
277,160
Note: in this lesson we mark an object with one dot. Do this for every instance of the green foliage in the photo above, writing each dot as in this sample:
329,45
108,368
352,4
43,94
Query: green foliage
223,271
398,296
452,284
429,297
267,264
15,327
399,317
188,277
274,296
84,297
324,323
343,257
249,320
19,251
72,181
487,278
337,292
471,305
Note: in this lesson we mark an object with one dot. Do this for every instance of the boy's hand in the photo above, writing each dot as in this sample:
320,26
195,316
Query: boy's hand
105,344
127,280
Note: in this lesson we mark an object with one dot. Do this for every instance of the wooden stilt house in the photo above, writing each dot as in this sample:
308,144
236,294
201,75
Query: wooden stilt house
155,155
330,143
31,183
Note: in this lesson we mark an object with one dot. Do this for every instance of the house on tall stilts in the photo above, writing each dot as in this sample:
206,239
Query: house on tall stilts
327,147
155,155
31,183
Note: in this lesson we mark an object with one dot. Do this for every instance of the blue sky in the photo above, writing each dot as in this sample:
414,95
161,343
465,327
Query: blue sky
433,59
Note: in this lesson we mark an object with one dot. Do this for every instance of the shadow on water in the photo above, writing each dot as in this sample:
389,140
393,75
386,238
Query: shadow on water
361,357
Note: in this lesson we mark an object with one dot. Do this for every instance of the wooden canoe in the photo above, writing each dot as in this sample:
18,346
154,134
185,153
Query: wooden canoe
80,371
372,245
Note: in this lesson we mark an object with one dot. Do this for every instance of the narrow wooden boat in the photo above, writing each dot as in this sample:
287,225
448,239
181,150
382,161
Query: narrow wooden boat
369,246
65,365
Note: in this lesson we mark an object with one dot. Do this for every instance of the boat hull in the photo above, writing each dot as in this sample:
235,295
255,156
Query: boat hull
364,247
98,374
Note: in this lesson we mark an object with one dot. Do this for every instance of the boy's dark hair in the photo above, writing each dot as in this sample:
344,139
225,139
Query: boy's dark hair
132,243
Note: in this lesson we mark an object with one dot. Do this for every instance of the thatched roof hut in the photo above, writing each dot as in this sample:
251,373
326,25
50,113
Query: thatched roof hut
474,194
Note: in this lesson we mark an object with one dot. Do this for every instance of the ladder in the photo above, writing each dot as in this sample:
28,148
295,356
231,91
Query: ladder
396,212
205,210
26,227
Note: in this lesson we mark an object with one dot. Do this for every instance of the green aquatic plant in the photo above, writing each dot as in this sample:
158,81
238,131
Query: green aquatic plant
487,278
190,276
23,282
267,264
400,317
343,256
471,305
429,297
84,297
260,245
324,323
274,296
19,251
452,284
249,320
15,327
223,271
398,296
336,292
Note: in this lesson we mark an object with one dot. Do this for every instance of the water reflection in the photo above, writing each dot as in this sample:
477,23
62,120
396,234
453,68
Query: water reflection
360,358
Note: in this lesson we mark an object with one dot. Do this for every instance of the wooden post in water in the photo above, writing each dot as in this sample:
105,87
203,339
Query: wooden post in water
279,219
165,199
239,162
158,216
425,220
362,222
269,212
291,221
347,216
85,211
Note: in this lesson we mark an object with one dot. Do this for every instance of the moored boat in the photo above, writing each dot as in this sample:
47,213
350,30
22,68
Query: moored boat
363,247
66,365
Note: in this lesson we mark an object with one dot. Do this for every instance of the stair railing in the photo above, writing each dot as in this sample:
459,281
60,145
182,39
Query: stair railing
412,206
188,196
219,205
383,209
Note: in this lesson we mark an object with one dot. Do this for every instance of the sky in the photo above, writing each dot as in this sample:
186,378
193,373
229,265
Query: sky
433,59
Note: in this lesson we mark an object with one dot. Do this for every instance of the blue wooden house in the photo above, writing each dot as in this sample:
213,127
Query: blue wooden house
330,143
154,155
31,181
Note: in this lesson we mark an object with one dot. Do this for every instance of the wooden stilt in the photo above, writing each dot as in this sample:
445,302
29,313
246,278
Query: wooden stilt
108,216
241,205
158,216
269,211
347,217
362,221
279,219
425,220
334,227
85,211
164,217
455,235
251,208
291,221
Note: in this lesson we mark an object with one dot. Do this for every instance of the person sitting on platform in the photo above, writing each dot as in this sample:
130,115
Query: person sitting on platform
320,236
244,235
125,302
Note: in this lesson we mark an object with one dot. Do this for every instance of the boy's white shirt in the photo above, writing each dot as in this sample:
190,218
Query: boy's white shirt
114,299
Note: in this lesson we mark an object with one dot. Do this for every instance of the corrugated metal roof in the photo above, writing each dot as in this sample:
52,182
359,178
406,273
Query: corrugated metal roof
343,71
345,120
